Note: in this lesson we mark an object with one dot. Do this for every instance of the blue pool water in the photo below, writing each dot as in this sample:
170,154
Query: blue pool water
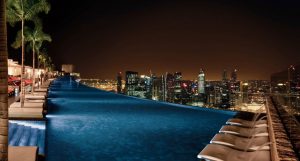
86,124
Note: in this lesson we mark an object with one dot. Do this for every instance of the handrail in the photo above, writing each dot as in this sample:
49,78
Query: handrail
274,152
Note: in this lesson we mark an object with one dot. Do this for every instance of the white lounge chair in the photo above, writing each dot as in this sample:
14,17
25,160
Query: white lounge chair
255,122
245,123
215,152
40,90
245,132
241,143
32,97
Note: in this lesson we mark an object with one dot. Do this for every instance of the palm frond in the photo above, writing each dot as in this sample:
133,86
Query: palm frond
18,41
38,24
34,7
12,16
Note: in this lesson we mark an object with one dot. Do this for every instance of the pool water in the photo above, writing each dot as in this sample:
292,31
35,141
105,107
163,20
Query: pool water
87,124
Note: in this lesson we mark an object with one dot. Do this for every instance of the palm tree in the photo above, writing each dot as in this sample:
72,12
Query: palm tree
3,85
35,37
44,59
24,10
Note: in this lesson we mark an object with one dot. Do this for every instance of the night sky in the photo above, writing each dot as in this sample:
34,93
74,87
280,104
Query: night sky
101,38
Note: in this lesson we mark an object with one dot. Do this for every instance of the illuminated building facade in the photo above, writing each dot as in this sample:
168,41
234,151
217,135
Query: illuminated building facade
131,83
201,82
177,87
169,85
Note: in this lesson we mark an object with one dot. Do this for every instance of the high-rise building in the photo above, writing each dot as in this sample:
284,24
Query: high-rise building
164,87
119,82
186,91
223,92
201,82
159,90
234,87
131,83
144,88
169,85
177,88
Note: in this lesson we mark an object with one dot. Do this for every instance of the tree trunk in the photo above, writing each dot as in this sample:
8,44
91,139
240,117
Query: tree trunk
3,85
38,66
22,97
33,67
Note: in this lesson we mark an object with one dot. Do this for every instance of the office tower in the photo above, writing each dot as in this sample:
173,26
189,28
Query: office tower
201,82
131,83
234,88
186,91
164,87
157,88
223,92
143,89
177,94
119,82
169,85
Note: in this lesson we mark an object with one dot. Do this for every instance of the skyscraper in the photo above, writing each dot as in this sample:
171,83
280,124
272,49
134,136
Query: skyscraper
177,96
169,85
131,83
201,82
119,82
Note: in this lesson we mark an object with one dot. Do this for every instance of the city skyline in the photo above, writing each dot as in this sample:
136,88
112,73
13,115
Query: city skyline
102,38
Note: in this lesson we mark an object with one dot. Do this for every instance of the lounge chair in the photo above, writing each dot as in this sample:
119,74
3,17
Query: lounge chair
215,152
35,97
255,122
241,143
245,123
22,153
245,132
40,90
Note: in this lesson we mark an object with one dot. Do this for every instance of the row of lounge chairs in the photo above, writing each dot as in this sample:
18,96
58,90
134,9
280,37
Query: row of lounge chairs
240,140
34,105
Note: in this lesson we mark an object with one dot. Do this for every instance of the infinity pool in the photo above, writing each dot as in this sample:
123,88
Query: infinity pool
86,124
